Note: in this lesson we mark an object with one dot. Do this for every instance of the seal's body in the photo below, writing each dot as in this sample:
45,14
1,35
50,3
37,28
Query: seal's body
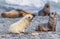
15,13
10,14
41,28
52,21
21,25
45,11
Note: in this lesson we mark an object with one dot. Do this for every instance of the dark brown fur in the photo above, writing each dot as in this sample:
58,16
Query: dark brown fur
41,28
15,13
45,11
10,14
52,21
23,13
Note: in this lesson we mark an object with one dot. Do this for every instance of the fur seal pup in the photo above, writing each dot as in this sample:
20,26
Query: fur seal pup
45,11
52,21
10,14
23,13
15,13
21,25
42,29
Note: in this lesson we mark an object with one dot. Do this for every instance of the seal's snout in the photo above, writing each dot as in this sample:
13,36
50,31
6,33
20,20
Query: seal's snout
3,14
47,6
33,15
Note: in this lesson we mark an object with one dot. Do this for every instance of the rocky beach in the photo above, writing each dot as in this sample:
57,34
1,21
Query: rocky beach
33,7
32,34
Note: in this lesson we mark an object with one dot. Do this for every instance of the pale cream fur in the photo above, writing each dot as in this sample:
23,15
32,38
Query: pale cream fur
21,25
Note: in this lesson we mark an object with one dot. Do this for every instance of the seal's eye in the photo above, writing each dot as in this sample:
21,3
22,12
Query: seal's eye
52,13
28,17
47,6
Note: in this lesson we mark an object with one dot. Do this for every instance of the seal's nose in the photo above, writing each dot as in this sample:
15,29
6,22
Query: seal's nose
33,15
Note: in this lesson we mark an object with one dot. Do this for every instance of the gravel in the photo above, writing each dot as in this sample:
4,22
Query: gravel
32,34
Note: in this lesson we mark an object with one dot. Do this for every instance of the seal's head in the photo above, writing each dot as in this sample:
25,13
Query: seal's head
29,17
47,7
54,14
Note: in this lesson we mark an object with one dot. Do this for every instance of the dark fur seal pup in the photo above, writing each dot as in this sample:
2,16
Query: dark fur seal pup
45,11
42,29
23,13
15,13
10,14
52,21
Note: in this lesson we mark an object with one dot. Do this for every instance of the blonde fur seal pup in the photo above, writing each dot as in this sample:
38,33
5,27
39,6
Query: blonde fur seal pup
21,25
